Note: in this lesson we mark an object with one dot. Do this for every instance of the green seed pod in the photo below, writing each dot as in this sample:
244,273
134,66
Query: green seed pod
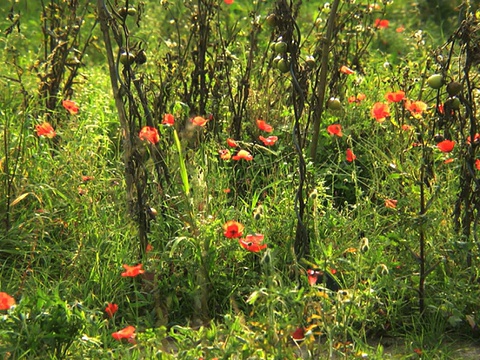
276,60
435,81
455,103
271,20
452,103
283,65
334,104
280,47
454,88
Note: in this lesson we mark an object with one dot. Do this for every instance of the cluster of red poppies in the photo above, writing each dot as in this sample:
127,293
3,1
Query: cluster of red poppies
252,242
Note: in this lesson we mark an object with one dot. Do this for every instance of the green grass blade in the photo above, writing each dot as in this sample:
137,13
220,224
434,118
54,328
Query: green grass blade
181,160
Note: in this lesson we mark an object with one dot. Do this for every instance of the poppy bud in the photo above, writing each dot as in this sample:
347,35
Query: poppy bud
365,245
438,138
310,60
141,57
123,12
257,214
153,213
126,58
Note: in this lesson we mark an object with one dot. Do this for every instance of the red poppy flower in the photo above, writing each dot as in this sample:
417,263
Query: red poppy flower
313,276
150,134
477,164
225,154
395,96
416,108
262,125
351,250
400,29
269,141
335,129
346,70
232,143
111,309
243,154
380,111
168,120
132,271
228,2
441,109
476,138
82,191
71,106
252,243
233,229
6,301
381,23
46,130
87,178
199,121
406,127
350,156
299,334
446,145
149,248
418,351
391,204
126,333
357,99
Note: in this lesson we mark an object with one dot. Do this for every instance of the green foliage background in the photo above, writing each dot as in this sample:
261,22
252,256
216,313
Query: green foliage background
64,239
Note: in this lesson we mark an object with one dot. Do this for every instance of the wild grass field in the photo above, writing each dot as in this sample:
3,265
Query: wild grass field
230,179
